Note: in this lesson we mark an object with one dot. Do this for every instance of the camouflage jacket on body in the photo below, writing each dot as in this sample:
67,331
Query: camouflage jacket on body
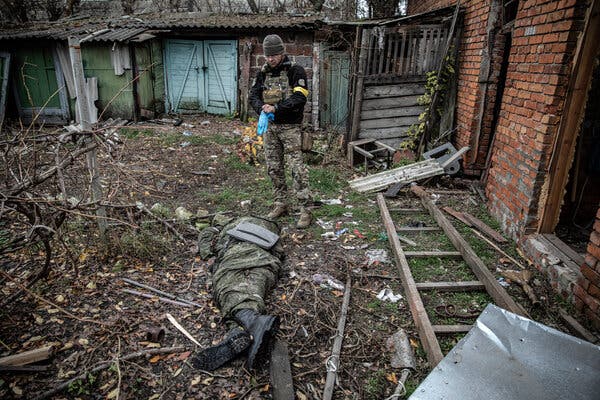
243,272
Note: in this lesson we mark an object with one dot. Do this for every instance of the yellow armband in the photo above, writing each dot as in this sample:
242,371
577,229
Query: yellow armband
301,90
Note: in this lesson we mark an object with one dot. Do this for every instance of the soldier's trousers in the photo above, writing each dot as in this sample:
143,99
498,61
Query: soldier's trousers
243,277
284,143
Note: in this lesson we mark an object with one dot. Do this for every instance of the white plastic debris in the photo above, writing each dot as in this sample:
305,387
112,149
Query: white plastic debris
331,202
182,214
328,281
388,295
377,256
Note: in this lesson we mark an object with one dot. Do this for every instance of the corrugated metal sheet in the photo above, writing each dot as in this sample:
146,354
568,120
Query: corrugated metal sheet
114,35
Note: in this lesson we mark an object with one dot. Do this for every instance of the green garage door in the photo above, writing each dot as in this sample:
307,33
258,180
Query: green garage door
201,76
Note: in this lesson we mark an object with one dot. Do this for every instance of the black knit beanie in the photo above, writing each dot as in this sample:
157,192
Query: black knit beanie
273,45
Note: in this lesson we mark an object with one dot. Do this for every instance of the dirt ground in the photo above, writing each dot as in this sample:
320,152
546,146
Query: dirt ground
82,310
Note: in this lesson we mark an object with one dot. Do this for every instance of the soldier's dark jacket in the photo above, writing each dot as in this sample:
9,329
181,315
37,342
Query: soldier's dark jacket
284,87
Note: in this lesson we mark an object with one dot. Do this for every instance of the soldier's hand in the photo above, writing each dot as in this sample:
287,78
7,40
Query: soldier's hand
267,108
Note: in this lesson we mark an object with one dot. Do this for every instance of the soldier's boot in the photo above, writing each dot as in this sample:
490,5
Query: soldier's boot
235,343
305,219
278,210
260,328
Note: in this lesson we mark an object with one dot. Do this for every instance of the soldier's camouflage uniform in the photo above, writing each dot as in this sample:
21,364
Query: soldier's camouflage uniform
243,272
284,87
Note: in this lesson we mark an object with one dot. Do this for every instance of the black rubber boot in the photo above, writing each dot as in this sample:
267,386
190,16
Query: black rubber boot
235,343
260,327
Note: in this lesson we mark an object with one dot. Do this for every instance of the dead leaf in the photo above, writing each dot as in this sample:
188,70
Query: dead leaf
91,285
155,359
208,381
283,297
60,298
264,389
113,394
301,396
38,320
337,293
83,342
52,310
177,372
184,355
391,377
17,390
154,396
83,256
196,380
504,260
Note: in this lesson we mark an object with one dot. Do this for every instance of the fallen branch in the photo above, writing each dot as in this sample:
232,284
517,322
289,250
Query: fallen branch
165,294
106,364
152,296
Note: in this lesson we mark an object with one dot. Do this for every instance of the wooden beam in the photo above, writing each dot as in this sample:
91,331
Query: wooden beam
28,357
500,296
281,372
483,227
417,229
458,215
463,286
587,50
419,314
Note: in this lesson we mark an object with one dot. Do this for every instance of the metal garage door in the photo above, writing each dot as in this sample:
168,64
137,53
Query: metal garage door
201,76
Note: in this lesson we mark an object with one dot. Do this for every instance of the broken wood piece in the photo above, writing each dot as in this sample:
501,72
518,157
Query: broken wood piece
417,229
483,227
498,293
152,296
165,294
405,174
281,372
425,254
451,286
498,249
458,215
454,157
333,361
28,357
181,328
417,308
522,278
451,328
407,241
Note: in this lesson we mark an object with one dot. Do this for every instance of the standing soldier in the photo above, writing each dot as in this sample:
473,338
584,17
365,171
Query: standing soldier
280,89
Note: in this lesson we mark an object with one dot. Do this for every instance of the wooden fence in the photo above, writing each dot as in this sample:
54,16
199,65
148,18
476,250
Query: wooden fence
395,61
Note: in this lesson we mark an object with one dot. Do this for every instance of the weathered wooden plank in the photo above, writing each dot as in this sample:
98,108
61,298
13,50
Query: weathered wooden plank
403,89
500,296
385,133
414,111
281,372
377,182
417,309
565,249
463,286
441,329
388,122
426,254
392,102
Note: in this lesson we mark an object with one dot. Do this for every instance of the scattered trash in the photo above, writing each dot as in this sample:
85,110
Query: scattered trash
331,202
185,144
187,133
383,237
245,203
361,247
388,295
328,281
182,214
205,124
503,282
358,234
377,256
187,126
348,214
329,235
341,232
327,225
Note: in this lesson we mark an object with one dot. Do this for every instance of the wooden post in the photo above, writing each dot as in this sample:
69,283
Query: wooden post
315,87
245,79
84,120
360,79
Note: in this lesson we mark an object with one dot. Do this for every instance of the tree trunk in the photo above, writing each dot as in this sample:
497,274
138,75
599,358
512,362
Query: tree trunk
383,8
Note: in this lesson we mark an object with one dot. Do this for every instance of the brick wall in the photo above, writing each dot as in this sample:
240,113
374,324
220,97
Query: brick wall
587,290
544,39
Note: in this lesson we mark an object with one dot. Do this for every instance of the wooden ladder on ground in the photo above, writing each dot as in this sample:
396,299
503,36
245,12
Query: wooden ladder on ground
486,280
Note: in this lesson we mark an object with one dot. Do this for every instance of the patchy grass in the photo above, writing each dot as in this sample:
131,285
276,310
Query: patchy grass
132,133
375,385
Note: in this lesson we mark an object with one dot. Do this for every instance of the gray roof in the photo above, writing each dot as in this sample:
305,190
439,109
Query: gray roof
129,27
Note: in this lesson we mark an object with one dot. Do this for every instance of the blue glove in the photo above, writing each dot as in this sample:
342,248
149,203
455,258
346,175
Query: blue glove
263,122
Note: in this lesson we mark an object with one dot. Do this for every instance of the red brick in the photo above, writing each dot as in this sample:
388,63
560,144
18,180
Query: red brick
594,291
594,250
595,238
590,274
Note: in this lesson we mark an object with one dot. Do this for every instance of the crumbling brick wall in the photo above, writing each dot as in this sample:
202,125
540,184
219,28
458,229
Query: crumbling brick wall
544,40
586,293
